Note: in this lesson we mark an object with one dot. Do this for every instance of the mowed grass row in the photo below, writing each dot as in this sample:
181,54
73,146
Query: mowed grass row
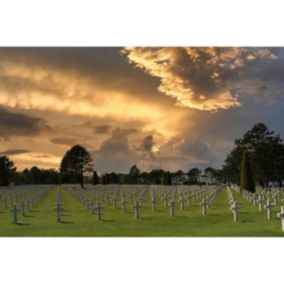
77,221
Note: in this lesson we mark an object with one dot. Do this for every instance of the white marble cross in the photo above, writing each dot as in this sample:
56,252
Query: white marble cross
154,203
235,208
98,210
254,200
166,200
123,204
188,199
181,202
58,210
23,203
281,216
5,201
172,208
268,208
260,202
114,199
136,207
204,205
14,211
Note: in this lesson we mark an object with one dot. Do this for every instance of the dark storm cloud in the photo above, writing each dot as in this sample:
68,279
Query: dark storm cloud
115,153
201,78
102,129
11,152
148,143
64,141
105,66
19,124
15,83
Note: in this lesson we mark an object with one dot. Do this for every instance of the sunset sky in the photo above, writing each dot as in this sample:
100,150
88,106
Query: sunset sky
170,108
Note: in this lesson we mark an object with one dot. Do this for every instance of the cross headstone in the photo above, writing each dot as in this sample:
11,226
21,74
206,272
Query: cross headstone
123,204
260,202
166,200
268,208
188,199
181,202
235,208
14,211
98,210
254,200
114,201
204,205
136,207
58,210
23,207
5,202
172,208
154,203
281,216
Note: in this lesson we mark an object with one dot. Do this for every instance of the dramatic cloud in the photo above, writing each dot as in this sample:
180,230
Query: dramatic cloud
148,143
102,129
64,141
115,154
170,108
198,78
17,124
11,152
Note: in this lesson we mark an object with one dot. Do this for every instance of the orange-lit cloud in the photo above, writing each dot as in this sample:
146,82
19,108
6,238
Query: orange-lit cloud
196,78
181,107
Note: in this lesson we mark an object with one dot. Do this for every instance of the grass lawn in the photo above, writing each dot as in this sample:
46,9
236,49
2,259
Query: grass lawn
77,221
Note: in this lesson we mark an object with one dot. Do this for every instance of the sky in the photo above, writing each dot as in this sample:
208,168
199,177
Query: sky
164,107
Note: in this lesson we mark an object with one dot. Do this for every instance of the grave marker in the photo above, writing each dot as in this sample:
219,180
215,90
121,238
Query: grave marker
98,210
204,205
123,204
58,210
14,211
268,208
235,208
281,216
136,210
172,208
154,203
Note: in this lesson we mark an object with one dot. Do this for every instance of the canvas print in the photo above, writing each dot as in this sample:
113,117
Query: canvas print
141,141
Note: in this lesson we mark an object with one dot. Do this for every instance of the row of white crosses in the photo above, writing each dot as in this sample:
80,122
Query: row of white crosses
58,205
26,196
234,206
274,193
207,201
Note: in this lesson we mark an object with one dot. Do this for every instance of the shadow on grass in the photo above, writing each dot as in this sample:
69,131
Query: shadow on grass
33,211
146,218
67,222
107,220
65,215
29,216
23,224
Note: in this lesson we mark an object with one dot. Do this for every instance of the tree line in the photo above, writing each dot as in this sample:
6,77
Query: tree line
260,152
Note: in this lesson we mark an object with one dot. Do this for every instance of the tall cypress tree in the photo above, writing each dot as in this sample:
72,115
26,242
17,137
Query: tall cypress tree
247,181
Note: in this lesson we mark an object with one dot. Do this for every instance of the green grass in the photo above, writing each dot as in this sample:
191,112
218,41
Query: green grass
77,221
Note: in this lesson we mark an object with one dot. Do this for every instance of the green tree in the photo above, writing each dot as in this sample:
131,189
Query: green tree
74,164
247,181
96,179
167,180
133,175
193,175
266,156
7,170
35,175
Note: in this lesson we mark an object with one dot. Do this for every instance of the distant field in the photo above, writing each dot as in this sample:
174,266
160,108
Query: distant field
78,221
